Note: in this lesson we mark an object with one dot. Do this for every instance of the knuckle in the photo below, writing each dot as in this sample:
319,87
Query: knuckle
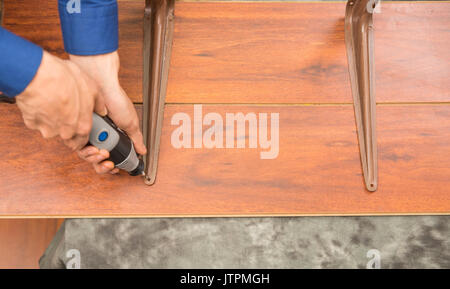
131,126
29,123
92,160
84,130
67,133
64,99
81,154
69,144
74,147
98,169
45,134
82,141
135,124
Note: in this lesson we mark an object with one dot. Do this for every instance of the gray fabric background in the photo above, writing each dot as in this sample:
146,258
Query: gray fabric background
301,242
280,242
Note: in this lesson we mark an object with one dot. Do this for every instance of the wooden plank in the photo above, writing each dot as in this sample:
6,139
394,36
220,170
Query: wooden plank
317,170
271,52
22,242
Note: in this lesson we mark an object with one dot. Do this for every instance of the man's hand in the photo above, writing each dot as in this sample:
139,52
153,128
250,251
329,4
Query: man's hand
60,100
104,69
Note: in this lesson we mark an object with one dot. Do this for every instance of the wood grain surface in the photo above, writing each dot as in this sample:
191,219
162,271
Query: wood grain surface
317,170
22,242
285,58
271,52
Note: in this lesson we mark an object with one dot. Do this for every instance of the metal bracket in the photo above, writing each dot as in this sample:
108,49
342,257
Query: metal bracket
359,43
158,35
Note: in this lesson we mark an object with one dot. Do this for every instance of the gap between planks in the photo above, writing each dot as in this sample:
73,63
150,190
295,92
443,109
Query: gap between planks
265,215
305,104
299,1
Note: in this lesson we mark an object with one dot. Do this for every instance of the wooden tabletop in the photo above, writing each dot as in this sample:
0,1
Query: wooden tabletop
285,58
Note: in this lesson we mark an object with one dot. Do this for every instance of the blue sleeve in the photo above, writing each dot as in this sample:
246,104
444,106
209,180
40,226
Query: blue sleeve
19,62
89,27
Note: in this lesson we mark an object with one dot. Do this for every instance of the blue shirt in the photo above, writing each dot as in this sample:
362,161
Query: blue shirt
89,27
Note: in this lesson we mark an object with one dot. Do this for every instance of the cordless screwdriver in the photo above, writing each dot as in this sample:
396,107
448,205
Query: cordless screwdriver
106,135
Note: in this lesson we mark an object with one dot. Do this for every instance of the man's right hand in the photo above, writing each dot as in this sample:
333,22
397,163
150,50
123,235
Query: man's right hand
60,100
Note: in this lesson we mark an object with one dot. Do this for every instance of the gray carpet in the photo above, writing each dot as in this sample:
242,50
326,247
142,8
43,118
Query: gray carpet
294,242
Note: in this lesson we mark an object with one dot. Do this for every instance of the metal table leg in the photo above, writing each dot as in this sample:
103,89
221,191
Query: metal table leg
359,43
158,30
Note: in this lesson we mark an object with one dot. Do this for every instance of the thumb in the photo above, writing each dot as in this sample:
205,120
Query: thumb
132,127
138,140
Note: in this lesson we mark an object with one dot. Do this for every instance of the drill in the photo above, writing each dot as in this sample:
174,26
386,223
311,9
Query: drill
106,135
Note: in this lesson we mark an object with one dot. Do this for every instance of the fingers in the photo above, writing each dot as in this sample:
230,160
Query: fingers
97,158
104,167
100,105
67,132
77,142
114,171
87,93
69,120
31,124
138,140
130,123
93,155
47,133
84,124
87,151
